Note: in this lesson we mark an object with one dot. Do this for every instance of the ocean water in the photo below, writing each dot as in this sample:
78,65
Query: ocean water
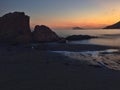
109,37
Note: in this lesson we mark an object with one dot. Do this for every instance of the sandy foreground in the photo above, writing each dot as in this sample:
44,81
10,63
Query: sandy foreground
23,68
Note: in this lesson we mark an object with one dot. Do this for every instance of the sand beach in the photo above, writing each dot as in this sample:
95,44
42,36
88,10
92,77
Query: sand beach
25,68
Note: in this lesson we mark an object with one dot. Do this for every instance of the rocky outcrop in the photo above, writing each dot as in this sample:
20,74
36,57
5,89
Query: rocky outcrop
44,34
79,37
114,26
77,28
14,28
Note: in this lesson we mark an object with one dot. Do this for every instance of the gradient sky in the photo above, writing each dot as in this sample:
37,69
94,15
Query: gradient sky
66,13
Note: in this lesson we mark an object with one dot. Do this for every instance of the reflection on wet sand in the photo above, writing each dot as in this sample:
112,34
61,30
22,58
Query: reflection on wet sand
109,58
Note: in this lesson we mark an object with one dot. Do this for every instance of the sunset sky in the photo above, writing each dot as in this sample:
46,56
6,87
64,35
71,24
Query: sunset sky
66,13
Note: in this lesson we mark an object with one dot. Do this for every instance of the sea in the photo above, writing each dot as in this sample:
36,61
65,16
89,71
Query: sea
108,37
109,58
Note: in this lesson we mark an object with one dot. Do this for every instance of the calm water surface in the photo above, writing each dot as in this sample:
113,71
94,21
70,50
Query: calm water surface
110,37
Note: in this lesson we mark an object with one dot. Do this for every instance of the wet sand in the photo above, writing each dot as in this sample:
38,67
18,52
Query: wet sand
72,47
24,68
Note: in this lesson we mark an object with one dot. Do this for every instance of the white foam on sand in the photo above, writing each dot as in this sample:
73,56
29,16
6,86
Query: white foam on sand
109,58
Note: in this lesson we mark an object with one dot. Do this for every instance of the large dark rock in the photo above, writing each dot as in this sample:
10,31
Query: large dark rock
14,28
79,37
114,26
44,34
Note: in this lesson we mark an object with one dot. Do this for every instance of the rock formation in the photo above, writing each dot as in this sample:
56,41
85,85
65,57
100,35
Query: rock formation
79,37
14,28
114,26
77,28
44,34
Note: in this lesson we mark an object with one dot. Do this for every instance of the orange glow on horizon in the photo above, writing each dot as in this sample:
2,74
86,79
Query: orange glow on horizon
89,21
68,25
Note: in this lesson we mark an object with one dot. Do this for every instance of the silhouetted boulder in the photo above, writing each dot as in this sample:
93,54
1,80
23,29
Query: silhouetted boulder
44,34
114,26
14,28
79,37
62,40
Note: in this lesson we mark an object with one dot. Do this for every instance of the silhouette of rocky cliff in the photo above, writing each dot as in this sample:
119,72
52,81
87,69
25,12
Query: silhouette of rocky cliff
114,26
15,28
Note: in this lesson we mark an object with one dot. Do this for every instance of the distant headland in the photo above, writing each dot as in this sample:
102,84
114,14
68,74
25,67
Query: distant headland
113,26
77,28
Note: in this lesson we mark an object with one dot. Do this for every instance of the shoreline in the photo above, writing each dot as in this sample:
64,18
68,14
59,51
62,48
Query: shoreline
71,47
